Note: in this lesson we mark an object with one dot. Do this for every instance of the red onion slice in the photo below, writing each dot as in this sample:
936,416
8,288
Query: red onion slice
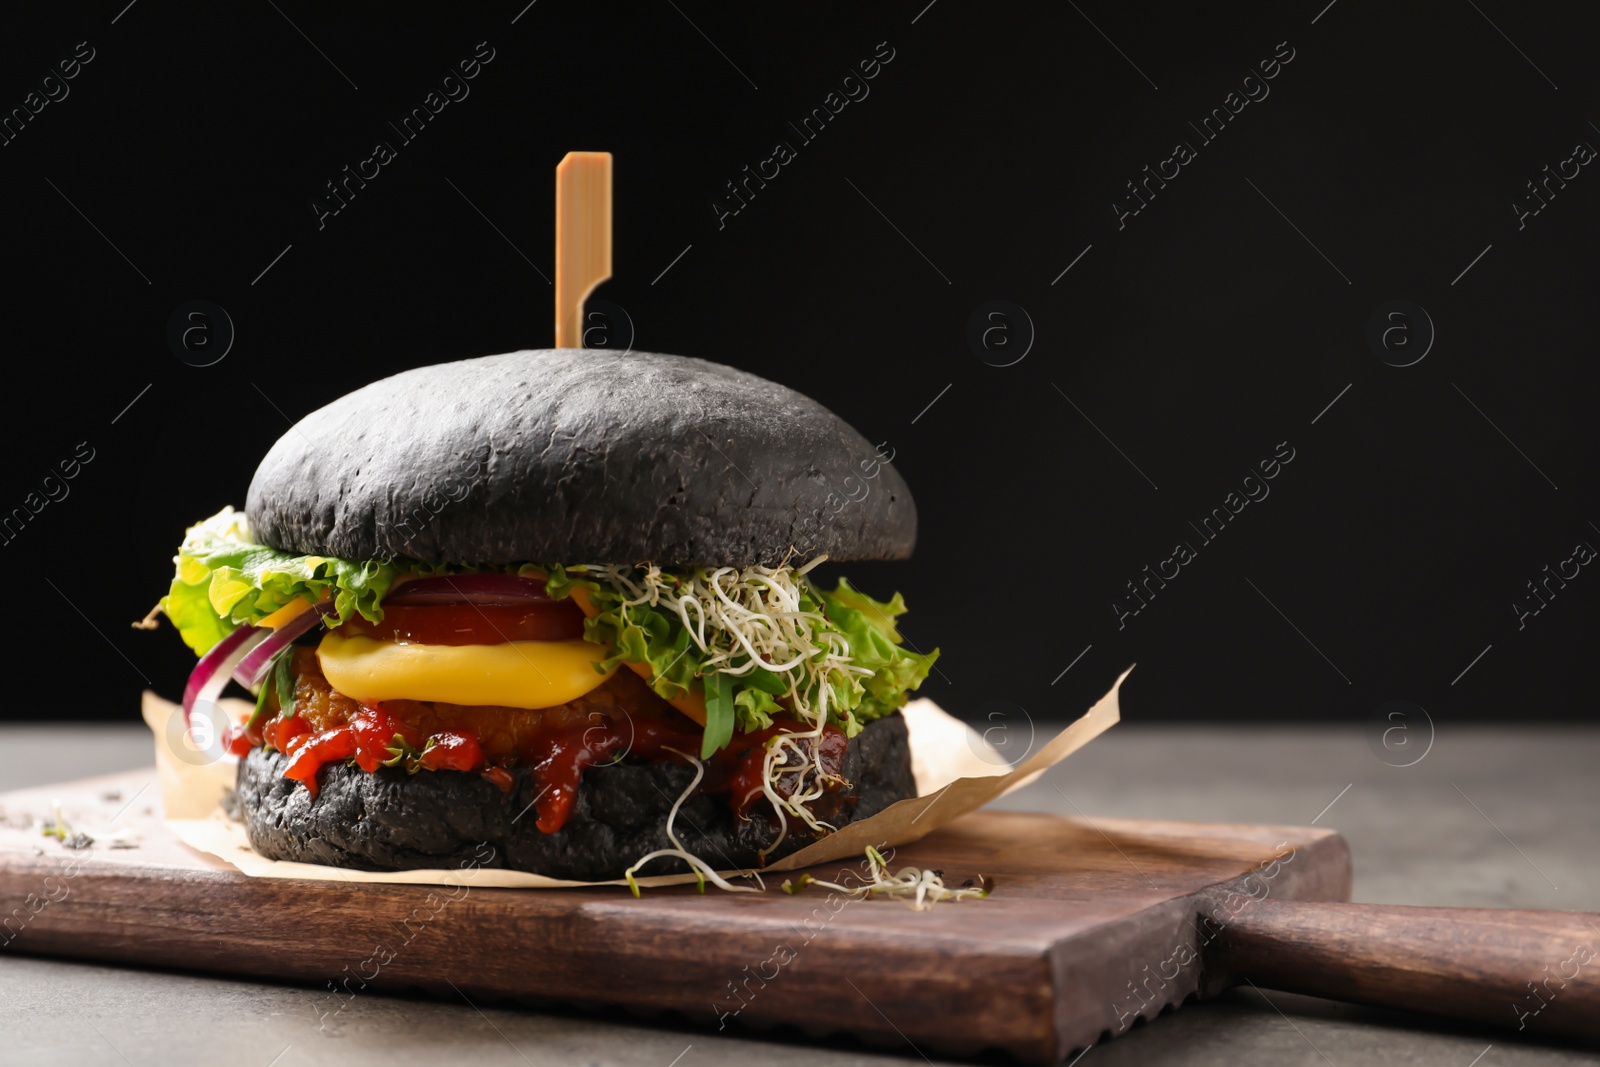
253,668
218,663
203,721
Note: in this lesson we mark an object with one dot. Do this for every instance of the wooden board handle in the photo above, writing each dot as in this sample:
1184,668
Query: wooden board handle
583,238
1533,971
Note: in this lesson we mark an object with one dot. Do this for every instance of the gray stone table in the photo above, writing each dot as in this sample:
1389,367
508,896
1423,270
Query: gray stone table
1495,817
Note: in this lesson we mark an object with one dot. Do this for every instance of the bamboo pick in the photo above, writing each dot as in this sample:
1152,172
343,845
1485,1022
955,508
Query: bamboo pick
583,238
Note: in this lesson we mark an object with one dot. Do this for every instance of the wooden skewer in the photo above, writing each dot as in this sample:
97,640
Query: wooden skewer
583,238
583,261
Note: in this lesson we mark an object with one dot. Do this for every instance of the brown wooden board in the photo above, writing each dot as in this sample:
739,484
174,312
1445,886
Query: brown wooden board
1089,925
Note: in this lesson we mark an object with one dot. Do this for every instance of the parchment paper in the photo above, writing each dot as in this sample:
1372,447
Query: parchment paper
956,771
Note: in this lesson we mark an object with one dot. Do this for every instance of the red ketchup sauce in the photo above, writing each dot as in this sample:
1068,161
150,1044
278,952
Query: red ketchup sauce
558,755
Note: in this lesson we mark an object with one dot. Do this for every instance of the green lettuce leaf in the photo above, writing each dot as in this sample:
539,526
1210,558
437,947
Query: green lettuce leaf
755,709
875,643
224,581
639,633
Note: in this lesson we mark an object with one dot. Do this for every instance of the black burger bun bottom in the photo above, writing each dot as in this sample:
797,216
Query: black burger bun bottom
579,456
391,820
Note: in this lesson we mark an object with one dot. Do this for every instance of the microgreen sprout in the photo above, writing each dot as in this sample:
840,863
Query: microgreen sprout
919,888
702,870
57,827
62,831
403,753
762,619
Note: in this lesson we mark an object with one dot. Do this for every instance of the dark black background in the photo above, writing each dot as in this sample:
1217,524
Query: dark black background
1197,338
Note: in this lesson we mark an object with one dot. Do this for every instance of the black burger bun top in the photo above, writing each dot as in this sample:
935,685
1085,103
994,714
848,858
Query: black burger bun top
579,456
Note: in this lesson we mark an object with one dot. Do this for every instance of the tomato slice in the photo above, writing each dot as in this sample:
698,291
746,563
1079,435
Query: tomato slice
472,609
473,624
507,590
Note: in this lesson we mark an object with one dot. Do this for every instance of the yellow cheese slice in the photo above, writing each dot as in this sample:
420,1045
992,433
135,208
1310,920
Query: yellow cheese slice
288,613
516,674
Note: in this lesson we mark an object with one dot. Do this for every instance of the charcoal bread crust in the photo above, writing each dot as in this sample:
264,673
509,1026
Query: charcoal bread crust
391,820
579,456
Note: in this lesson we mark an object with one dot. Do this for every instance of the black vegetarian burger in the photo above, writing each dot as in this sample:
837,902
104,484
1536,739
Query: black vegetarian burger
560,602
